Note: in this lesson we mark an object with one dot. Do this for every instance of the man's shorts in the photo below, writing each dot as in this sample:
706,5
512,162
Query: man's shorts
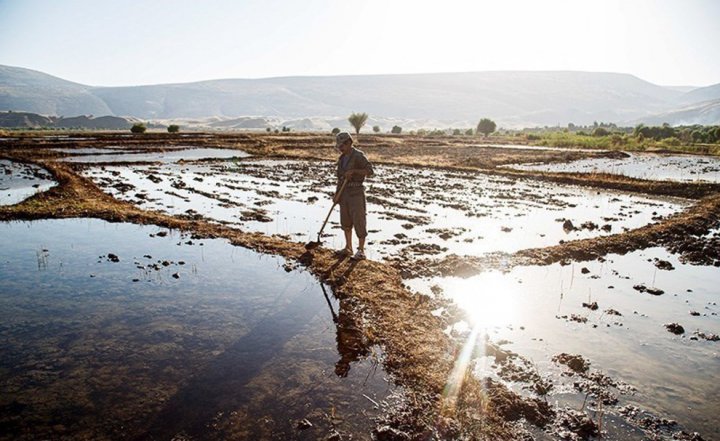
352,212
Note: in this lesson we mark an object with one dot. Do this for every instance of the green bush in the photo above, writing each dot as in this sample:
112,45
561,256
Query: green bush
672,142
617,139
376,129
138,128
173,128
335,131
396,130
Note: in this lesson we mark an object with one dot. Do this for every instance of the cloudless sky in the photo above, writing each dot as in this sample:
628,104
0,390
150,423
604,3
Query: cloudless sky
127,42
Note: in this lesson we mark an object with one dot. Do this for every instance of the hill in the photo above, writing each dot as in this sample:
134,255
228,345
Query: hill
511,98
26,90
704,113
28,120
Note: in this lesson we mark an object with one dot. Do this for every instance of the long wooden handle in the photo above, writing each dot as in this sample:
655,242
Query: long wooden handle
337,196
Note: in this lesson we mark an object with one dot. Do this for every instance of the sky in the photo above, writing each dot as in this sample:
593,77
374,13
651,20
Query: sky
127,42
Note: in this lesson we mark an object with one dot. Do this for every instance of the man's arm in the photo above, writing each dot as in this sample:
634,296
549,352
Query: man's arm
358,172
364,168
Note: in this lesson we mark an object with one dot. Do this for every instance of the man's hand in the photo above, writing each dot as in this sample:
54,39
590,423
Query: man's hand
355,172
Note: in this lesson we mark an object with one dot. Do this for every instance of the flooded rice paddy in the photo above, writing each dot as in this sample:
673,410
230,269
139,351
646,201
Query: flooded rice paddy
124,331
175,154
19,181
614,312
681,168
412,212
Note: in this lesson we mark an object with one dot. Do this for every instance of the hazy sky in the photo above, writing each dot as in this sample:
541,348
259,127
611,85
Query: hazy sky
107,43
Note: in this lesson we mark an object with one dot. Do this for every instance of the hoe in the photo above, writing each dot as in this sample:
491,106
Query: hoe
315,244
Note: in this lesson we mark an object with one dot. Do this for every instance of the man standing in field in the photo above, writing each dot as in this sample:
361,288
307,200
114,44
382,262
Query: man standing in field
354,167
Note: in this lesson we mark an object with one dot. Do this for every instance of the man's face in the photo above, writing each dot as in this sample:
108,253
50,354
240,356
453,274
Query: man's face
344,148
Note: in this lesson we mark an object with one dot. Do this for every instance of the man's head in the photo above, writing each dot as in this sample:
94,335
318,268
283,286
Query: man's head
343,141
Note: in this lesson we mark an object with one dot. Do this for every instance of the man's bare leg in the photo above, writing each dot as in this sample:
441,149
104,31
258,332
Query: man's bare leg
361,244
348,239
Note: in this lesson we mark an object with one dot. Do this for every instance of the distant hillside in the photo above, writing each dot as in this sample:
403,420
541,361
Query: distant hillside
512,98
34,121
25,90
701,94
705,113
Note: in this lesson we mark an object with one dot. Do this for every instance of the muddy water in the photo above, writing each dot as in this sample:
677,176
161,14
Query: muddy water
20,181
446,212
540,311
124,331
174,155
642,166
531,147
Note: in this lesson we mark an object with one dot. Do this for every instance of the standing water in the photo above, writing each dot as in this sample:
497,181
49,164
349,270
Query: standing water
126,331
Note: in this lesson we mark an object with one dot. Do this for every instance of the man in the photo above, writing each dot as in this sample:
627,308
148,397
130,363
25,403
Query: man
354,167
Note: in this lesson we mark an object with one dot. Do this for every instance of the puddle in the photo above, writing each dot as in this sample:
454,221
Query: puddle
540,311
19,181
642,166
94,150
412,212
66,138
169,156
532,147
124,331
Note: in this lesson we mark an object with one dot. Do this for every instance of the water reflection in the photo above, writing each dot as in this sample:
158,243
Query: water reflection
427,213
683,168
174,155
599,310
234,347
19,181
491,302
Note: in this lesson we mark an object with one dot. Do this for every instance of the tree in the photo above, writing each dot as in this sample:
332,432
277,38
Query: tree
138,128
335,131
173,128
357,120
396,130
600,131
486,126
376,129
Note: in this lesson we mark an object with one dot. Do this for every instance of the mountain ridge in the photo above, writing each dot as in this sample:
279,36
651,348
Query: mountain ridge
512,98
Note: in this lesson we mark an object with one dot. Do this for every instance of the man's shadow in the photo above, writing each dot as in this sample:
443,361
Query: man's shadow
351,341
221,385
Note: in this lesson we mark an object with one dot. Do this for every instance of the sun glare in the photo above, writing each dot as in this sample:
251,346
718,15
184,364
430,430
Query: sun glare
489,299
